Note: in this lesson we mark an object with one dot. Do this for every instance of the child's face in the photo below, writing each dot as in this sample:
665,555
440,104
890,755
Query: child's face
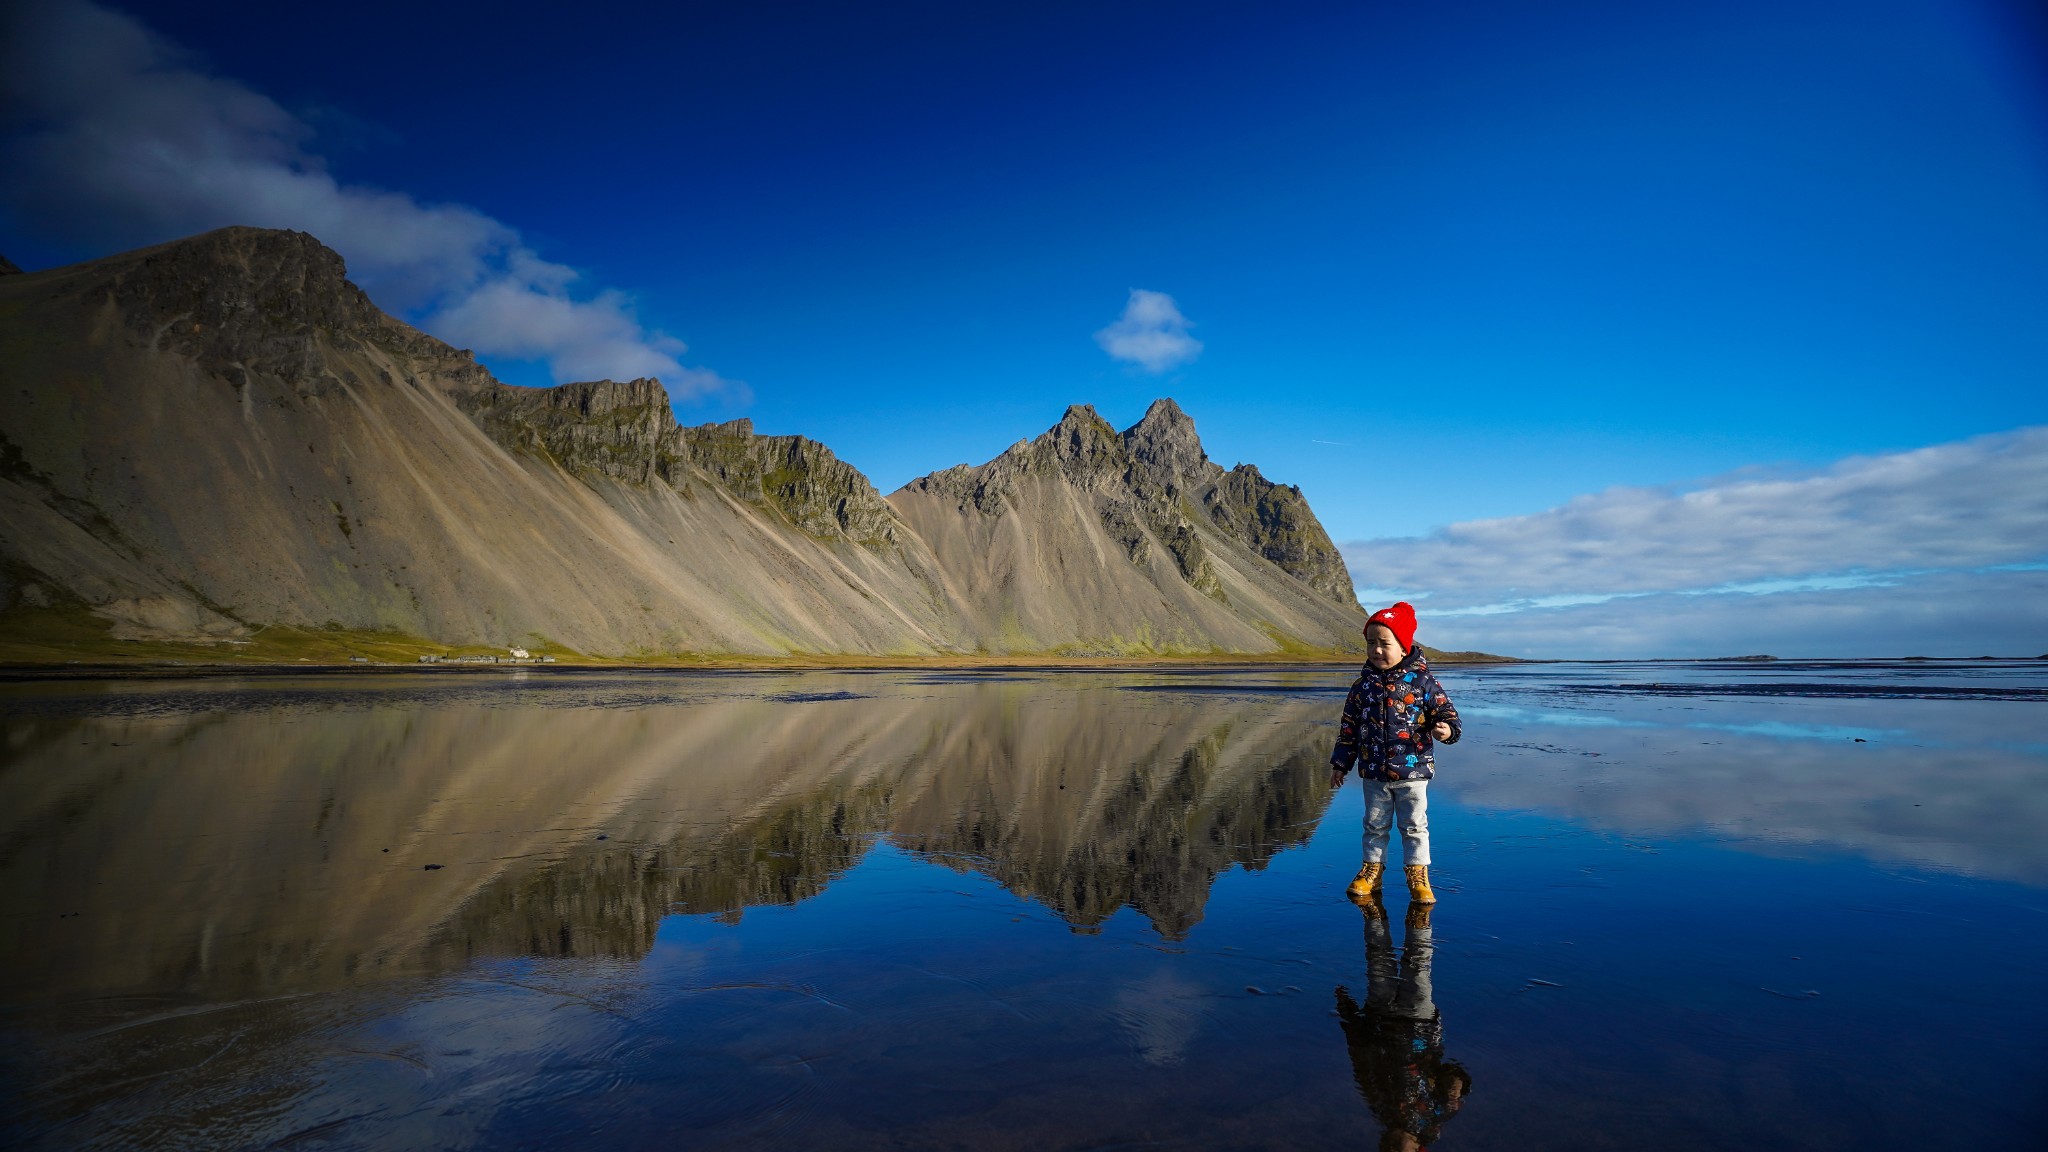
1382,651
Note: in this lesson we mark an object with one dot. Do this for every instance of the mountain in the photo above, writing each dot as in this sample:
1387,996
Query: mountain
222,441
1134,540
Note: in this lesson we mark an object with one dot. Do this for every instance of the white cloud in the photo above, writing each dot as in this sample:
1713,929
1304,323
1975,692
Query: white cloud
581,340
117,138
1835,562
1979,613
1151,334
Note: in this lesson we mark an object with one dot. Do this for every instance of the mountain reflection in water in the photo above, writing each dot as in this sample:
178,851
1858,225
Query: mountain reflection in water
889,910
300,847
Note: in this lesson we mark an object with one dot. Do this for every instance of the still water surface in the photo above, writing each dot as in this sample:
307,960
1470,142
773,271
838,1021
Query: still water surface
1705,906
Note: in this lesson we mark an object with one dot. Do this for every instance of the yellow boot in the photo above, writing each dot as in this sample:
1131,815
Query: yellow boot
1366,882
1418,884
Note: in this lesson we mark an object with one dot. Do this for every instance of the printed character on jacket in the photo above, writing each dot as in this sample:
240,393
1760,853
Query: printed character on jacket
1387,721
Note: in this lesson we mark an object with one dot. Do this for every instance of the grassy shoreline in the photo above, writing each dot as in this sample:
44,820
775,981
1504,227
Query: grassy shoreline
66,638
135,670
154,666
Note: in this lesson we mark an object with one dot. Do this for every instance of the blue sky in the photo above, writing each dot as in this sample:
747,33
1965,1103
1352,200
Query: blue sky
1515,253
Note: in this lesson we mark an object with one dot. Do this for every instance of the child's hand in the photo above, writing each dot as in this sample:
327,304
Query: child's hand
1442,731
1336,778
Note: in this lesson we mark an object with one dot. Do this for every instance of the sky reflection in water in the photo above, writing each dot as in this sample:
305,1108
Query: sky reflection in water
1021,910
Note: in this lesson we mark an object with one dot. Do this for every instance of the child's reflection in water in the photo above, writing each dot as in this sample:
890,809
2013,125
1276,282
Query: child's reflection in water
1396,1037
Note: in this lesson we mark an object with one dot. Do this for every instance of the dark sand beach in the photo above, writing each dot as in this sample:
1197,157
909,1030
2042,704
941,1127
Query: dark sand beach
1682,906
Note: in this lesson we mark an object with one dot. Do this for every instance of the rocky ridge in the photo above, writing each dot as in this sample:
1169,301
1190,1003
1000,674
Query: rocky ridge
628,432
813,489
223,433
1153,481
625,431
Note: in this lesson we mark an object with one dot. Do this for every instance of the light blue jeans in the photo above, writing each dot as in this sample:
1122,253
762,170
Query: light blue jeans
1384,799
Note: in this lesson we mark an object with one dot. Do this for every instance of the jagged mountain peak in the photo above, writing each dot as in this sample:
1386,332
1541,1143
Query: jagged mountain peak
1166,450
1079,424
1130,500
244,301
1162,413
1082,445
236,268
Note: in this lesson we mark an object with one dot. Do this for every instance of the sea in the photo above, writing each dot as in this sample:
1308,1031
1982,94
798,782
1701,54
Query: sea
1680,906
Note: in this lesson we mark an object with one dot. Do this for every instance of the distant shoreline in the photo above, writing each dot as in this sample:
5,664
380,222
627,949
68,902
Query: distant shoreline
32,672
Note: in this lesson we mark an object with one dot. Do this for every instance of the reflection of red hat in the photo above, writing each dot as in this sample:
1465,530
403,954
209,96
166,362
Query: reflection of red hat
1400,619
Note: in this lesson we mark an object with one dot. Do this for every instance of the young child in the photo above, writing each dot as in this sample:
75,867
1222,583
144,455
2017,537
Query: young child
1394,712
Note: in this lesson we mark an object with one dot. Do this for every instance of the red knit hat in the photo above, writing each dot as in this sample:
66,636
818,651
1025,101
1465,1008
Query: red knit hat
1400,620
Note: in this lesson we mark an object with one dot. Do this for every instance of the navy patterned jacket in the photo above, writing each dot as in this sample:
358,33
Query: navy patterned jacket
1387,718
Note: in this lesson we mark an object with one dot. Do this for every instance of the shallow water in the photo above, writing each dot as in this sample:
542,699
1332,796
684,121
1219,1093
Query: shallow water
1683,906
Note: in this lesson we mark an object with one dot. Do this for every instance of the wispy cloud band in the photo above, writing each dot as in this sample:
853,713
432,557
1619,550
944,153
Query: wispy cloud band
1963,524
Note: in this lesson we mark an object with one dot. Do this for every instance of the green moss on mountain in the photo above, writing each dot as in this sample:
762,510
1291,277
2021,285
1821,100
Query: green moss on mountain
799,478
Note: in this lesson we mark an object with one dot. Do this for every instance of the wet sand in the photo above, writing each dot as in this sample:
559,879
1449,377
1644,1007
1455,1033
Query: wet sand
1682,906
